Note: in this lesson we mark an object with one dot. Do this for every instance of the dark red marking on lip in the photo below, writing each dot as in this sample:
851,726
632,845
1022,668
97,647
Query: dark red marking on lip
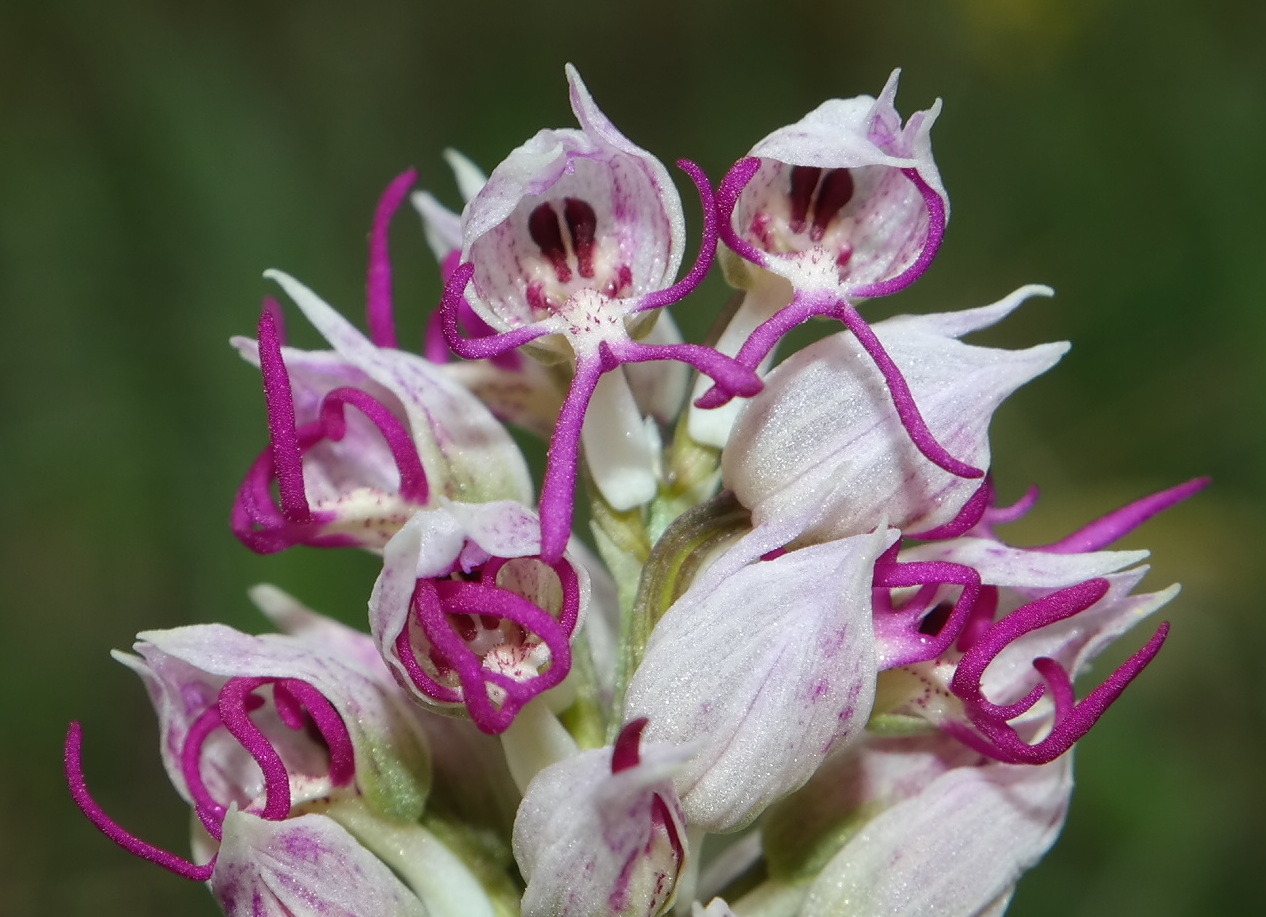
836,191
804,181
544,228
582,223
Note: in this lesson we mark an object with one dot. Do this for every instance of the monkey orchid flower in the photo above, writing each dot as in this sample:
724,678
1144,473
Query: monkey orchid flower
845,204
520,391
257,734
571,247
468,614
1005,688
362,437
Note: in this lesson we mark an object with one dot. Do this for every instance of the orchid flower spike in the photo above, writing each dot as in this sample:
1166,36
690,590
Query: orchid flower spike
571,247
845,204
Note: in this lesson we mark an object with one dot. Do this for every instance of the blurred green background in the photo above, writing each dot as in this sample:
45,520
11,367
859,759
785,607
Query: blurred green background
156,157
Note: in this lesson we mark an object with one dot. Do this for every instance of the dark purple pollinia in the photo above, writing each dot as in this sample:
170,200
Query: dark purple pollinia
799,622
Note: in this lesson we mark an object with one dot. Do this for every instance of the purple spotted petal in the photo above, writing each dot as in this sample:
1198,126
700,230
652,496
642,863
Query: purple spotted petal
637,223
846,198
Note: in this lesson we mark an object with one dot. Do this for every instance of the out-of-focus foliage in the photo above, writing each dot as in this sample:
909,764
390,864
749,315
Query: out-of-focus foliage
156,156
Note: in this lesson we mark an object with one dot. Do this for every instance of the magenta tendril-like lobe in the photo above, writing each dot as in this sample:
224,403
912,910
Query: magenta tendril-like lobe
1002,515
1103,532
332,425
111,829
804,306
728,193
484,347
287,458
657,299
993,735
490,649
298,704
378,296
968,517
931,245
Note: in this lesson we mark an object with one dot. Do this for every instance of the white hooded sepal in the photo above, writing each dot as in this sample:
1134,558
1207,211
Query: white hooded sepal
762,672
826,416
596,844
307,866
955,849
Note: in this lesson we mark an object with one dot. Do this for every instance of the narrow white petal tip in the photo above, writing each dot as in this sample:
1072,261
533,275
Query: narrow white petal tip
469,177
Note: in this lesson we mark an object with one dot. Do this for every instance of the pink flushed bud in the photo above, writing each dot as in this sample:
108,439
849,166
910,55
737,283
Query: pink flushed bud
823,443
762,668
571,246
468,614
254,726
845,204
946,841
603,832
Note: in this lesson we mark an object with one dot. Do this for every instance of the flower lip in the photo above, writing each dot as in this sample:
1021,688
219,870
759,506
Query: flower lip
131,843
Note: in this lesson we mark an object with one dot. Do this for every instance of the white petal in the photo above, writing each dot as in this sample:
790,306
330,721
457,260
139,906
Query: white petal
952,850
470,178
826,416
763,673
617,450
